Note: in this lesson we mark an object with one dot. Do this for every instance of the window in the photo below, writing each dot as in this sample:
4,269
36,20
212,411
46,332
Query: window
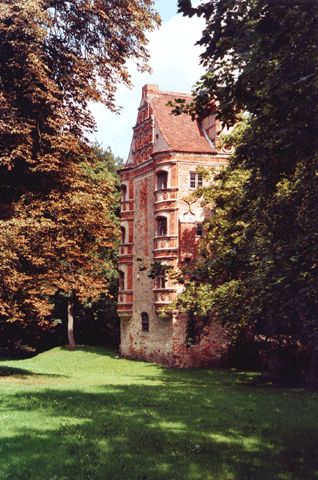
123,235
161,280
196,179
162,180
123,190
121,281
161,226
144,322
199,230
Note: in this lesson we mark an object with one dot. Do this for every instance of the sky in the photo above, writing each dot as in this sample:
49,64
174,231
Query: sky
175,67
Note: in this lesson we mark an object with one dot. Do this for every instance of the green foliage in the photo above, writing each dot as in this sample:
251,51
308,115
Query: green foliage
234,136
58,194
158,268
83,228
260,251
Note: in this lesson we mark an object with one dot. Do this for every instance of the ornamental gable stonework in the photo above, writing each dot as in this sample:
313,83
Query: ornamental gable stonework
161,226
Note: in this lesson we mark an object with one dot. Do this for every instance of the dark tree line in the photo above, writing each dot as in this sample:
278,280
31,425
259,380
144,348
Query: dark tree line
259,258
58,227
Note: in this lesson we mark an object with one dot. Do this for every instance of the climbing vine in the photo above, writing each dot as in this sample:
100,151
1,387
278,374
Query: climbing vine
158,268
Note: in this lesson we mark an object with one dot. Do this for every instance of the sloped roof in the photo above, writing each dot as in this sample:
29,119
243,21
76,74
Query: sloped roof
180,132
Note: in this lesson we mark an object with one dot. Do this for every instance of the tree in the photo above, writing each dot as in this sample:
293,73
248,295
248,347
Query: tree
261,246
64,243
57,221
56,57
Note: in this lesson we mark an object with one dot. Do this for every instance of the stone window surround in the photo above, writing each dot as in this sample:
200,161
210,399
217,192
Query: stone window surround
144,322
161,281
121,283
122,235
124,192
162,178
195,179
161,226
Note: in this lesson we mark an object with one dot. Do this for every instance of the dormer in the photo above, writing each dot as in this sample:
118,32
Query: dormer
208,125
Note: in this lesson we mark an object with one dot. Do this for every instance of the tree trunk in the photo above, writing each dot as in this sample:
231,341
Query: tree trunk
70,324
312,377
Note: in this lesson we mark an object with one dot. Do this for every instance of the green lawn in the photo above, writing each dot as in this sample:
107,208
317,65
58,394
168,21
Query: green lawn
84,414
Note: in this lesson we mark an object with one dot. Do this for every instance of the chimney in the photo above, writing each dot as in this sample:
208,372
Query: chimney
149,89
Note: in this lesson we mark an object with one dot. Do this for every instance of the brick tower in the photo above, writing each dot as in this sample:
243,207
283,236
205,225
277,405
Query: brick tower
160,226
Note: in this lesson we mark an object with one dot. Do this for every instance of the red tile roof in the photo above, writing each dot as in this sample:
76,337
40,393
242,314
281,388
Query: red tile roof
180,132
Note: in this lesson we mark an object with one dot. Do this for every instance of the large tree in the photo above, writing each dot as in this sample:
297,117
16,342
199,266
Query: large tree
56,199
62,242
56,57
261,246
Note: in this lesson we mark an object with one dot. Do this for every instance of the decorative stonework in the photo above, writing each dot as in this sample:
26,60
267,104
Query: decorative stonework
175,146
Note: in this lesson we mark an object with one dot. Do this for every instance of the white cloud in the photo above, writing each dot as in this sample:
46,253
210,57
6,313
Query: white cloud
175,65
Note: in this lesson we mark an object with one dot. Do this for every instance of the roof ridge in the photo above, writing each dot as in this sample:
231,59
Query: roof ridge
161,92
180,133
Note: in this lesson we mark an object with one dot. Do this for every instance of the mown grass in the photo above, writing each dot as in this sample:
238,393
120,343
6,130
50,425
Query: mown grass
85,415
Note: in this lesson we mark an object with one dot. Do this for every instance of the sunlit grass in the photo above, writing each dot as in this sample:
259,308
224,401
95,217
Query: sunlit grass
85,414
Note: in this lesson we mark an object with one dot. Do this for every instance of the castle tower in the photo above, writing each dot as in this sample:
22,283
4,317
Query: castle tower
160,226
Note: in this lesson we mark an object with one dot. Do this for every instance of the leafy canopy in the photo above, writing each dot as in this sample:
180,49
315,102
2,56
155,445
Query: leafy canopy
57,193
260,252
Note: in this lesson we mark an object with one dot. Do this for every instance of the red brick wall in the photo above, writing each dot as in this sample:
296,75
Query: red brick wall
209,351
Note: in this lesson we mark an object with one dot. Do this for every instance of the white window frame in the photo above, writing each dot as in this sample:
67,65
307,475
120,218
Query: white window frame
195,180
162,180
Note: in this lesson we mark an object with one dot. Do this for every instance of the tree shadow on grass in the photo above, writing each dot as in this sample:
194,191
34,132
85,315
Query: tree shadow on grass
174,431
229,377
96,350
6,371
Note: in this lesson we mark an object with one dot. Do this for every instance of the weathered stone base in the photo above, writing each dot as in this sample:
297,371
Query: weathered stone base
152,357
170,349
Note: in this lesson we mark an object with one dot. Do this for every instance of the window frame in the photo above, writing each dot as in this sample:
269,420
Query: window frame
144,322
162,180
121,281
199,226
123,192
122,235
195,180
161,281
162,226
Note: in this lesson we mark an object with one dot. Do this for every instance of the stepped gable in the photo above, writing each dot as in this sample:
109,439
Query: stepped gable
180,132
161,228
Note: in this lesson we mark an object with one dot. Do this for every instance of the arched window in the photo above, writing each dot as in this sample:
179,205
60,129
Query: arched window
144,322
123,235
161,226
121,285
123,189
162,180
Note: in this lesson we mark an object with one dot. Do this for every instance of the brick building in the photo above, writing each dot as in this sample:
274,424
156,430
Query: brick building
160,225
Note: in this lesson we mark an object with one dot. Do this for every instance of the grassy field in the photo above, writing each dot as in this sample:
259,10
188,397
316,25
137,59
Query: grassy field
84,415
